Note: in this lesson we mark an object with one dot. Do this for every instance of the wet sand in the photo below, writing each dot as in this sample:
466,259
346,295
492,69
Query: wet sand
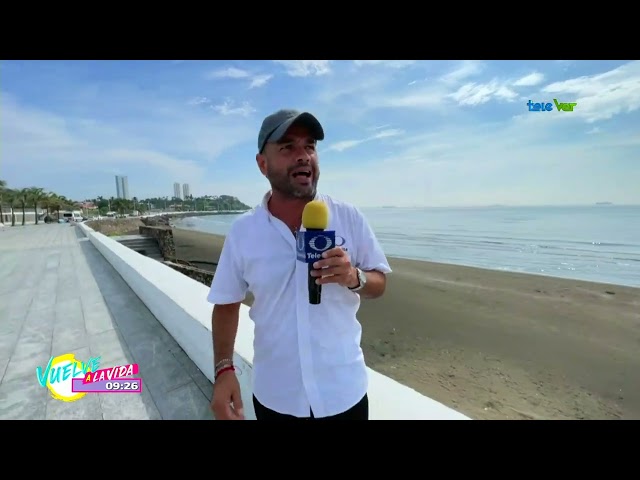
496,345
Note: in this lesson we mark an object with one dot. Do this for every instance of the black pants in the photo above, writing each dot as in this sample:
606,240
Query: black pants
360,411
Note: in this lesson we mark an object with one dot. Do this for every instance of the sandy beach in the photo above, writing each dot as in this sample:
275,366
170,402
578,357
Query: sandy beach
496,345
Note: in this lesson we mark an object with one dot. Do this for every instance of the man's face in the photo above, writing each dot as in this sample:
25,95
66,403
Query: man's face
291,165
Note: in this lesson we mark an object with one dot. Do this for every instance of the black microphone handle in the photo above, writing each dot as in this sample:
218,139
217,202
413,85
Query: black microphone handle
315,290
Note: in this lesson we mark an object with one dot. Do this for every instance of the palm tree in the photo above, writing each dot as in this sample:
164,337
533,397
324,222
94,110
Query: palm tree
121,205
54,204
47,202
36,195
3,195
67,204
57,202
142,208
23,197
11,197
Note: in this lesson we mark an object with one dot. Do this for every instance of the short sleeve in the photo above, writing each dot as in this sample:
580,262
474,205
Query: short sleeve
228,285
370,255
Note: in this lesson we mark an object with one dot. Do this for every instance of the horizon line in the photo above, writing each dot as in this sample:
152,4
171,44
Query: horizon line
497,205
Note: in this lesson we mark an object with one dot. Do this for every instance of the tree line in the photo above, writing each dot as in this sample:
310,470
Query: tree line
221,203
31,197
36,197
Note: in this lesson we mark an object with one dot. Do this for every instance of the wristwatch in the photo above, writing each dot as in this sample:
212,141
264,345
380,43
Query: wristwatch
362,281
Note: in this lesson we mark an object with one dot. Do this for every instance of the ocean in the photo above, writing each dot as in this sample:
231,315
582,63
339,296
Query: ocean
598,243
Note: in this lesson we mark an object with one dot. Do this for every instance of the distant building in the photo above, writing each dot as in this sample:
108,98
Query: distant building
122,187
185,190
176,190
86,205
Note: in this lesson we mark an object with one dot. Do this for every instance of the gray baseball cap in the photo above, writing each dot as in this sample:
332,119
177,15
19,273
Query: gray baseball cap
276,125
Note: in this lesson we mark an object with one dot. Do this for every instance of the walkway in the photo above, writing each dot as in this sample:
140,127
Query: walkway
59,295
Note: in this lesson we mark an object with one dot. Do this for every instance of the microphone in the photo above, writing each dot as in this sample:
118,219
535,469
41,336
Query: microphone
314,240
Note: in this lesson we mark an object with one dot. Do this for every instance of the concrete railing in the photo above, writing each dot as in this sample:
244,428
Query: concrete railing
179,303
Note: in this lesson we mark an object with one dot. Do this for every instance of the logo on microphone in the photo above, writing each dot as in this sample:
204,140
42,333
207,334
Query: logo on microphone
320,243
310,244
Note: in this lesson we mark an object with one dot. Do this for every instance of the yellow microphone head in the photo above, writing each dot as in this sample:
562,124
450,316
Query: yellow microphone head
315,215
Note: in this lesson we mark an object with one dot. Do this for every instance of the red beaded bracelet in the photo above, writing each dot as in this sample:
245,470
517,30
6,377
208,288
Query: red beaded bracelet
230,367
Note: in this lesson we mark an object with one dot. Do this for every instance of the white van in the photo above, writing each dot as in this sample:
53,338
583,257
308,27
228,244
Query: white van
75,216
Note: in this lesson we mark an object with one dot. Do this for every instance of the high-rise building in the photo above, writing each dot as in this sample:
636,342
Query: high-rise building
125,188
185,190
176,190
122,187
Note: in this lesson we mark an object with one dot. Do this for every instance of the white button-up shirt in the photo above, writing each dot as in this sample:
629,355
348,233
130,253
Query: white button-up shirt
306,357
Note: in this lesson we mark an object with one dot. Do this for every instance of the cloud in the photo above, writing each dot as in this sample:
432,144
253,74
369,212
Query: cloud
463,70
199,101
228,108
48,149
179,167
435,94
599,96
413,132
429,97
347,144
476,94
603,95
260,80
530,80
525,158
393,132
344,145
305,68
473,94
384,63
565,64
229,72
255,79
488,164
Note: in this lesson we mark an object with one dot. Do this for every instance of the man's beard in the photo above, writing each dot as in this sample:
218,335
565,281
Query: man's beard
284,184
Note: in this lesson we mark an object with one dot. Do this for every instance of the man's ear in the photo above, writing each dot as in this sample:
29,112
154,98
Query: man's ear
261,160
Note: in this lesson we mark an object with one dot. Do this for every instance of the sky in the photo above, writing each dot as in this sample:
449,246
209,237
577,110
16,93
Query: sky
397,132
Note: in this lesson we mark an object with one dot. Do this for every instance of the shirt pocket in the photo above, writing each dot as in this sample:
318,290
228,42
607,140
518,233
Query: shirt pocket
269,274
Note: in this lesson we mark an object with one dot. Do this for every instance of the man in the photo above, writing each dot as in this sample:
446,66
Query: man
308,362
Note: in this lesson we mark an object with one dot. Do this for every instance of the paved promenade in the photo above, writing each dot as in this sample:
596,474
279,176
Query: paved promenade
59,295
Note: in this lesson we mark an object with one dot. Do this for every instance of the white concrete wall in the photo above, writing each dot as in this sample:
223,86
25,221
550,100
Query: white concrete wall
180,304
30,216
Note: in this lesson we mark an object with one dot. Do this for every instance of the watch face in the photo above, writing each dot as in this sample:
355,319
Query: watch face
362,277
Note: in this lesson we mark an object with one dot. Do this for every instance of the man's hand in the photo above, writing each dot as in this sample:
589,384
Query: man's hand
227,402
335,267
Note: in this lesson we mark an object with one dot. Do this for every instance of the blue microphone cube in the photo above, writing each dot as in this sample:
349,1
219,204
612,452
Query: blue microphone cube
310,244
